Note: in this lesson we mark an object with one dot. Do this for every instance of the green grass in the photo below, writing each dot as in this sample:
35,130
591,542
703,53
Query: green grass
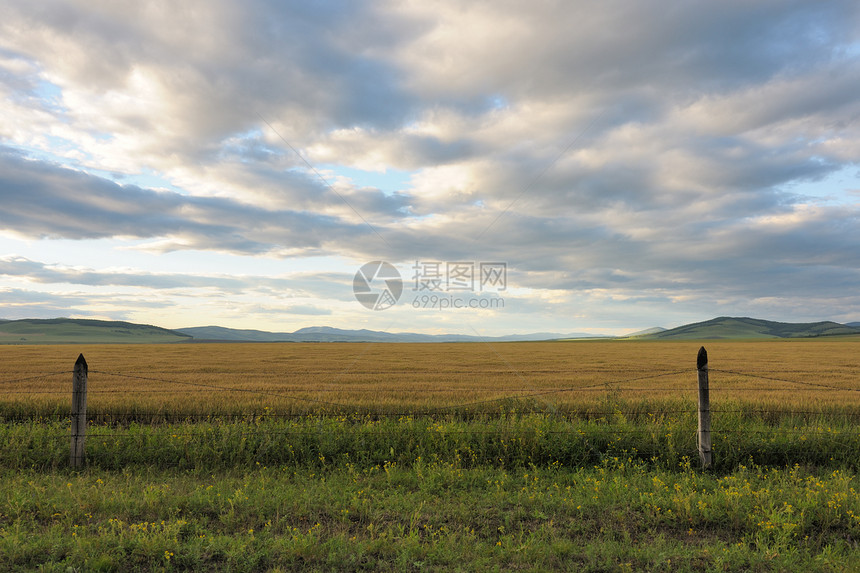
270,476
82,331
509,491
431,515
506,439
725,327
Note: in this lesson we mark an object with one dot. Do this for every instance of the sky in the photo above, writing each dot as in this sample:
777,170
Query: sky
541,166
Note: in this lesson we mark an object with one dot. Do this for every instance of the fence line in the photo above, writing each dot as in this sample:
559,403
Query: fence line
601,387
36,377
98,419
606,430
519,394
80,417
771,378
598,388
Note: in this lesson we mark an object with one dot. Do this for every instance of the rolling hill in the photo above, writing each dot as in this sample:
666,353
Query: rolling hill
86,331
646,332
329,334
83,331
726,327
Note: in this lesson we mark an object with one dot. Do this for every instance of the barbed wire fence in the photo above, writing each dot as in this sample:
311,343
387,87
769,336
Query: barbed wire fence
611,413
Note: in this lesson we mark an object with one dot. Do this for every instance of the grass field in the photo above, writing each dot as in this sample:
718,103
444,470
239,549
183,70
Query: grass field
518,456
69,331
347,378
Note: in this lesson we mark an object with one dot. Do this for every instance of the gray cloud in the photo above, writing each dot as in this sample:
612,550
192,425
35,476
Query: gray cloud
19,303
47,274
48,201
331,285
635,147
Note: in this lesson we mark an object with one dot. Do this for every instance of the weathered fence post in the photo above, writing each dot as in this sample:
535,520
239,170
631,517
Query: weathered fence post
79,412
704,409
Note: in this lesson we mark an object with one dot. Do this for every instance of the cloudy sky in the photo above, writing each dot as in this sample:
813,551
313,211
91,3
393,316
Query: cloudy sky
632,164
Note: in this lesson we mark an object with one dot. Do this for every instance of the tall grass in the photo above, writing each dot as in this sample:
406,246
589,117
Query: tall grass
505,439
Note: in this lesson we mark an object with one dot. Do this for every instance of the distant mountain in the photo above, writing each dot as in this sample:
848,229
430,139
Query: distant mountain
853,324
726,327
646,332
329,334
221,333
83,331
550,336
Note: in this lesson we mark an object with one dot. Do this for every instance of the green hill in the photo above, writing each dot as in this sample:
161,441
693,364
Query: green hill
726,327
83,331
646,332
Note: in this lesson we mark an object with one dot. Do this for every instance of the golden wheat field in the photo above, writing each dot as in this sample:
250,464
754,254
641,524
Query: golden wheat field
304,378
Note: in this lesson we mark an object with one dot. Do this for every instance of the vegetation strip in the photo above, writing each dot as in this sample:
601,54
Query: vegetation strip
620,514
604,481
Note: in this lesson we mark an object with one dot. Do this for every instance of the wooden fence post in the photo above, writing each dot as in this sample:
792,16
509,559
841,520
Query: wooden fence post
704,409
79,412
